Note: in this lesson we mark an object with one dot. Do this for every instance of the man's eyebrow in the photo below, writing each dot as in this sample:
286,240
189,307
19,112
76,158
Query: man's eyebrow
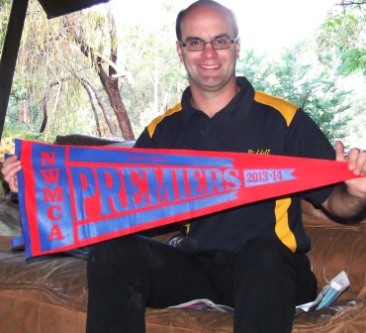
222,35
194,37
217,36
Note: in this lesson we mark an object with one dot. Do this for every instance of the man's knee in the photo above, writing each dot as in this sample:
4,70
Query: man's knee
104,251
114,256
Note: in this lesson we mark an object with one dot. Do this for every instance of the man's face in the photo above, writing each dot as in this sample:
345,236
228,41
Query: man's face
209,69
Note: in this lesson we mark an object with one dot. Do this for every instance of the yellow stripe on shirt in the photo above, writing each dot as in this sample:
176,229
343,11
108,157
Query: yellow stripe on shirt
282,227
287,109
152,126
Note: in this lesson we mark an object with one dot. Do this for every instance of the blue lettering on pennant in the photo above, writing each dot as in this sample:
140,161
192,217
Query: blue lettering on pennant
53,215
137,186
109,181
84,186
132,219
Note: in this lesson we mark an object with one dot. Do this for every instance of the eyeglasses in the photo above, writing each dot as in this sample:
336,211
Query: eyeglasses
218,43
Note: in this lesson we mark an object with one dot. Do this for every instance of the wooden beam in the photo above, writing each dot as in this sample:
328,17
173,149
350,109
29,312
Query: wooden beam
9,54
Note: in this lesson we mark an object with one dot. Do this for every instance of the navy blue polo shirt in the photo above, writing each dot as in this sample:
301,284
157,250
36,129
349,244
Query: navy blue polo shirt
253,122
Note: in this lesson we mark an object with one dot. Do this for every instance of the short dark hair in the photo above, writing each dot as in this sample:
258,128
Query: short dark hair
184,12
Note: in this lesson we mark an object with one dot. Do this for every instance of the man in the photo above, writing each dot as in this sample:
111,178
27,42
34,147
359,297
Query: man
251,257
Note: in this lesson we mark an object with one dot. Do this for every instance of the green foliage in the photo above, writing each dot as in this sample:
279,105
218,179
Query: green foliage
354,59
342,39
5,6
151,79
295,77
47,77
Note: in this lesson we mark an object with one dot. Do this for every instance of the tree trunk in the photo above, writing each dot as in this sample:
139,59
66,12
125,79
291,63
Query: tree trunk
110,80
112,89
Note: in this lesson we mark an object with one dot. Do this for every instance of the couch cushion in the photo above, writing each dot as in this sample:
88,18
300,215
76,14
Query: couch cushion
57,280
49,295
339,248
9,219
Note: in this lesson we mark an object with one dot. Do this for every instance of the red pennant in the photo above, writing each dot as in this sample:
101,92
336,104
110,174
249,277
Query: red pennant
72,196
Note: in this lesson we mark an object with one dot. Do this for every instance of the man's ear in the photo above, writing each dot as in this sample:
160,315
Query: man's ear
238,46
179,50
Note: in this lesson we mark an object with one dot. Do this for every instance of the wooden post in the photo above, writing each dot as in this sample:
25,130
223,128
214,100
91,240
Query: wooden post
9,55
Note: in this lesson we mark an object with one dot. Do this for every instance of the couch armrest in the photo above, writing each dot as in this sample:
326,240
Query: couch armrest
85,140
339,248
336,247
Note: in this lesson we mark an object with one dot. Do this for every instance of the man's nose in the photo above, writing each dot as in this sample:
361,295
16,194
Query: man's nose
208,48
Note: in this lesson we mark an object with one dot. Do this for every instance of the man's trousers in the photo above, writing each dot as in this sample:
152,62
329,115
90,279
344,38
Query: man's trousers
263,282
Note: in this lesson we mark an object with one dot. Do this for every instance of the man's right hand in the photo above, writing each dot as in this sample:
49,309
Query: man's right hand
10,168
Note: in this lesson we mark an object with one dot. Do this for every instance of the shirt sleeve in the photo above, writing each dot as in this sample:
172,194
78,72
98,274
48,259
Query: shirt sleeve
144,140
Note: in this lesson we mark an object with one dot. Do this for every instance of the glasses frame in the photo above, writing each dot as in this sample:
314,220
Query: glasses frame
215,47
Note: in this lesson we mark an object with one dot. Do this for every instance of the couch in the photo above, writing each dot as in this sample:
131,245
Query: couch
49,294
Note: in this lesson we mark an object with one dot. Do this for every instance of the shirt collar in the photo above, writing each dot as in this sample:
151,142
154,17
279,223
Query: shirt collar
245,94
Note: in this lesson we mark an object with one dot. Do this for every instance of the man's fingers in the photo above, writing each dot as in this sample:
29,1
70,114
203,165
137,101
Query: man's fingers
10,168
340,155
357,161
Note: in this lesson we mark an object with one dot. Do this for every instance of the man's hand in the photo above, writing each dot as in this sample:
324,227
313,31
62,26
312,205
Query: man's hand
9,170
356,160
348,200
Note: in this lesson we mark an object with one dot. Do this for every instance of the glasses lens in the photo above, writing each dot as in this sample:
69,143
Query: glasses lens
222,42
197,44
194,44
